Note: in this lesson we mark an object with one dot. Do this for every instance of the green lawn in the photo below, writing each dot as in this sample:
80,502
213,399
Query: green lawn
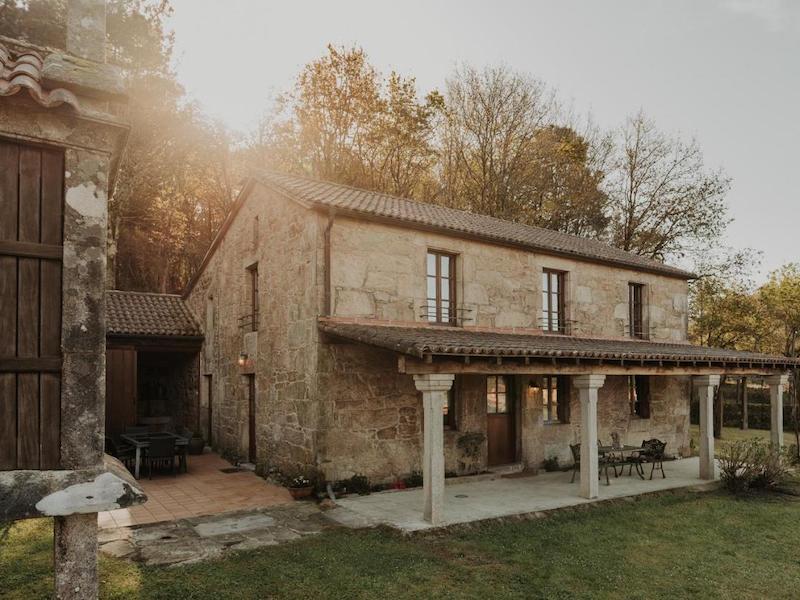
674,546
733,434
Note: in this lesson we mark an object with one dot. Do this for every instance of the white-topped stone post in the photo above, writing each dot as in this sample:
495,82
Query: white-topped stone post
434,388
705,384
776,383
587,386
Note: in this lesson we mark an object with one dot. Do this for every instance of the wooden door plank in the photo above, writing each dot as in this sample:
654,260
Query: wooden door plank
8,421
52,198
9,194
50,420
29,194
28,421
28,308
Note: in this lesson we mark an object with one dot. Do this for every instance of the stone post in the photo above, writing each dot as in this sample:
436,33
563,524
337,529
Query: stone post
587,386
434,388
705,384
75,556
776,383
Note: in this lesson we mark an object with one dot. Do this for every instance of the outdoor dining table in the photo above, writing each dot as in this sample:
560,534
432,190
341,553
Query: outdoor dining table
141,441
622,450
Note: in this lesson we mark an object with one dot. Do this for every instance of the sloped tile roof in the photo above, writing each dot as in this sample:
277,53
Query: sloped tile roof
434,340
146,314
22,70
459,222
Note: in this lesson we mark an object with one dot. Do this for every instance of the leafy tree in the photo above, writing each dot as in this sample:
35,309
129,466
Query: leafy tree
663,200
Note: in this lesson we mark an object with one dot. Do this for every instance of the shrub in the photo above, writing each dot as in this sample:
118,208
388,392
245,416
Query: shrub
550,464
752,465
358,484
413,480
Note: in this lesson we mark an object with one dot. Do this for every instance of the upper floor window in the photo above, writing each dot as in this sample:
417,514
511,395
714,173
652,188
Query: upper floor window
553,318
441,287
636,310
639,395
555,399
253,272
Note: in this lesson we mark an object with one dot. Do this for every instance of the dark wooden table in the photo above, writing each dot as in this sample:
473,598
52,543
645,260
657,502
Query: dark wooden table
142,440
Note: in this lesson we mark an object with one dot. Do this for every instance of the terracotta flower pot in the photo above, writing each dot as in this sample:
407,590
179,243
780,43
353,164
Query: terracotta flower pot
301,492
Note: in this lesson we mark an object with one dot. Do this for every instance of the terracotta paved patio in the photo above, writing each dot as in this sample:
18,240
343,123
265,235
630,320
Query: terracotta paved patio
204,490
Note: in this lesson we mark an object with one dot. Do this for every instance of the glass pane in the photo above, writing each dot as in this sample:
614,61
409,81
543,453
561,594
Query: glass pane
431,287
491,402
431,264
501,403
445,289
545,283
445,311
491,383
431,310
445,265
501,384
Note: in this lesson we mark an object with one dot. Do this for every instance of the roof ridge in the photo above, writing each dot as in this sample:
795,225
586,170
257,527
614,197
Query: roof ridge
273,178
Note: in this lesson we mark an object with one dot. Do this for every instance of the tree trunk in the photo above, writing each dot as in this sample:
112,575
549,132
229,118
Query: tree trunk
743,397
718,410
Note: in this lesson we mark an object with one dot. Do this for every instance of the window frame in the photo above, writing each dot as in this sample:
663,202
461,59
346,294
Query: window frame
636,313
559,327
639,396
436,318
495,389
252,272
557,412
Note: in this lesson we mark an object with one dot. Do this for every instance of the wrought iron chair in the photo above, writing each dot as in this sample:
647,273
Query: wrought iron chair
576,460
653,454
161,453
123,452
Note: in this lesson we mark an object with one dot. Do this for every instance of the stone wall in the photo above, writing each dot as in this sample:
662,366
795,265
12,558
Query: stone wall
283,239
379,272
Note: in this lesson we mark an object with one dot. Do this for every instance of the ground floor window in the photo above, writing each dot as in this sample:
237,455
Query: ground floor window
639,395
555,399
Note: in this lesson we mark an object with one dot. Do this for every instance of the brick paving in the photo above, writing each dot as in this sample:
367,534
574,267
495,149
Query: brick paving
204,490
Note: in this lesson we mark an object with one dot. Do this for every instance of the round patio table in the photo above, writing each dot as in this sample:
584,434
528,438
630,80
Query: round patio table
622,450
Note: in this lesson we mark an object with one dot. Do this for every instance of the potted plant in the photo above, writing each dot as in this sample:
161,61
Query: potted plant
196,443
299,486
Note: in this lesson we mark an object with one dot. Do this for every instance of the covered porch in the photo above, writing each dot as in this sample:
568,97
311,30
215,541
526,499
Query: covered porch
435,356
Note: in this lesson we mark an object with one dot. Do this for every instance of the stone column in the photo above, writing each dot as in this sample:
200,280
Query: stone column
705,384
776,383
434,389
587,386
75,556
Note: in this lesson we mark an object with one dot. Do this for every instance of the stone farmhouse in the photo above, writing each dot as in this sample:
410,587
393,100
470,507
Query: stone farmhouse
358,333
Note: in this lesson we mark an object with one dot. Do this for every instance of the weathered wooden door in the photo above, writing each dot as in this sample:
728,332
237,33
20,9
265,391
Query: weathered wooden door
121,389
500,425
251,429
31,239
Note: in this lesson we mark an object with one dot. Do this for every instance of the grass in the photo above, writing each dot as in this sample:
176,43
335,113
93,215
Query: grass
679,545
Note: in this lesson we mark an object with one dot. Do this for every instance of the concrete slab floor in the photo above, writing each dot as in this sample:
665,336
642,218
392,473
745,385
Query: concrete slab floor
503,497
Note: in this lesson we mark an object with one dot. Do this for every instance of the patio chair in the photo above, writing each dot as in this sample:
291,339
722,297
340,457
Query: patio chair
160,453
653,454
576,460
123,452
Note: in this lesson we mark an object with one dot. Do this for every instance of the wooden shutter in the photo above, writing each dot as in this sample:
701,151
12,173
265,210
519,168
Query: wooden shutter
31,238
120,389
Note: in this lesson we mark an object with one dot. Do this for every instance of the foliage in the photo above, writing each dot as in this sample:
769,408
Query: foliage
358,484
413,480
551,464
748,465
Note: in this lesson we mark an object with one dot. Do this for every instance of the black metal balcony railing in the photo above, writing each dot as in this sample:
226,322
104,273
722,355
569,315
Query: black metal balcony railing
563,327
456,315
641,334
249,322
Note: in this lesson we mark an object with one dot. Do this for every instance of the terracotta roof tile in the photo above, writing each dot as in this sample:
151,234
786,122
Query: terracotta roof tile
457,222
23,71
146,314
422,340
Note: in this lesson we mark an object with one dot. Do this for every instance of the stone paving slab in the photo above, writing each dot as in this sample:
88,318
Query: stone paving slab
188,541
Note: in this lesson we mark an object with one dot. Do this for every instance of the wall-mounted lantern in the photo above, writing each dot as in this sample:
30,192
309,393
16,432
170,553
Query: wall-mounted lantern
242,359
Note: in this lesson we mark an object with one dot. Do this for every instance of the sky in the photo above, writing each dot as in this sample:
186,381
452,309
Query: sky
724,71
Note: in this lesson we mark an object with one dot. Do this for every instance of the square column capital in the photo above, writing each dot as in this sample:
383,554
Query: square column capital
591,381
781,380
434,382
705,380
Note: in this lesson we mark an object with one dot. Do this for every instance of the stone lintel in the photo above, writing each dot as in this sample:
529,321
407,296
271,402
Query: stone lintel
590,381
781,379
434,382
27,494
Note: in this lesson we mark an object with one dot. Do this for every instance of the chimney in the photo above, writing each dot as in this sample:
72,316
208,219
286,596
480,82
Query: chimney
86,29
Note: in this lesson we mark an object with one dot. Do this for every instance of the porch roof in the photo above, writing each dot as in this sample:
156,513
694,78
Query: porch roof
144,314
424,342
